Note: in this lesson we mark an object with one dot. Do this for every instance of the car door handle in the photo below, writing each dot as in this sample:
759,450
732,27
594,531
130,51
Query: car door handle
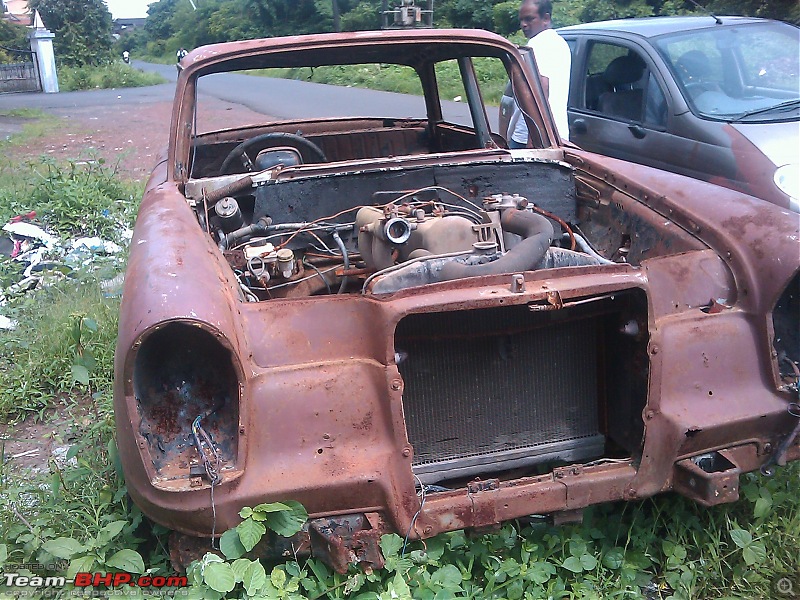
637,131
579,126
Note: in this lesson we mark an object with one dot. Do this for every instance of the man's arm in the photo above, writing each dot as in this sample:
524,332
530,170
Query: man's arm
545,86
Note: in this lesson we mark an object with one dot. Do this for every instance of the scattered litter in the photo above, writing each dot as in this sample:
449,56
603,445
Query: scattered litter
48,259
29,230
31,452
112,288
60,457
84,250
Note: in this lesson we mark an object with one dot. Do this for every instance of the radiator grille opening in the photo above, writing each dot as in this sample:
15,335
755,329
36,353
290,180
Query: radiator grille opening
494,389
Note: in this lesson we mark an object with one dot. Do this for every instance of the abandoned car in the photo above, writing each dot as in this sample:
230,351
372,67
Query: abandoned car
408,327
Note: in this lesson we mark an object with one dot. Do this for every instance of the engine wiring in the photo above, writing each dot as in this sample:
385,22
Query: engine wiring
433,188
321,275
306,226
564,225
296,281
281,235
422,495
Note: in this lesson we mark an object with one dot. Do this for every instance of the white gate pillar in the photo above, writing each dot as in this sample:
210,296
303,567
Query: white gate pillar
42,45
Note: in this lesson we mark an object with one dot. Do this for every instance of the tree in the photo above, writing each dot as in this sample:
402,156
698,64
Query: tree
82,29
15,37
174,23
159,23
364,15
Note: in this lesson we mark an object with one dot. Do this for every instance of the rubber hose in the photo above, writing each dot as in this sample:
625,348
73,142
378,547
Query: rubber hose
537,233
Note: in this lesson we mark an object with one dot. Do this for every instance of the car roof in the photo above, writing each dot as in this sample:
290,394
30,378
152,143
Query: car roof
387,46
649,27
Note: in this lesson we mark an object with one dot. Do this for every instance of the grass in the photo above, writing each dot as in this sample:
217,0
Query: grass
35,124
490,73
111,75
38,361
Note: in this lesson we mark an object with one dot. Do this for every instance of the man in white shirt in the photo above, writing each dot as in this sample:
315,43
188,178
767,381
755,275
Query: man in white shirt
554,60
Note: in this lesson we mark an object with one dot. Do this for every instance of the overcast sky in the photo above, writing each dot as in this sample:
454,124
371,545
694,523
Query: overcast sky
128,9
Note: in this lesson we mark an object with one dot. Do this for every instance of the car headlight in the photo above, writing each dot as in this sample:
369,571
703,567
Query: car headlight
186,388
787,178
786,327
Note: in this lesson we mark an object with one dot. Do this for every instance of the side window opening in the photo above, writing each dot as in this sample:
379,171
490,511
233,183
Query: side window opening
619,85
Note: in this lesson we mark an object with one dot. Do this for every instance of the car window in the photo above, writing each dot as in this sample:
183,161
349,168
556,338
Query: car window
737,71
488,73
324,102
619,85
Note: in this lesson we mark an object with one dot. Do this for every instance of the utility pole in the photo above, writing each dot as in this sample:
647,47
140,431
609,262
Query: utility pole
406,16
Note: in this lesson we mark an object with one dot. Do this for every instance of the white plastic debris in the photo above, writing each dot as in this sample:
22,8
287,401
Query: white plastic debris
29,230
95,244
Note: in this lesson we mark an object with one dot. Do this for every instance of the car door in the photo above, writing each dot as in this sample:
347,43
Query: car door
618,105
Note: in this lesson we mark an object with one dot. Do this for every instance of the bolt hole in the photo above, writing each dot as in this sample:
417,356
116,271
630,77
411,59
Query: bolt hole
319,450
710,393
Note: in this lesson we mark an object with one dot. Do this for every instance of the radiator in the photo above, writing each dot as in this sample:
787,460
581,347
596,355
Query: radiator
495,389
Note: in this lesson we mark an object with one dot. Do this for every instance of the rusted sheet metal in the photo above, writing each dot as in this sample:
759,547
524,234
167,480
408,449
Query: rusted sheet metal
347,540
733,224
697,280
709,479
328,451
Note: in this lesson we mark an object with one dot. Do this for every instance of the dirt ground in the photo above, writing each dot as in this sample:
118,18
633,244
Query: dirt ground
131,137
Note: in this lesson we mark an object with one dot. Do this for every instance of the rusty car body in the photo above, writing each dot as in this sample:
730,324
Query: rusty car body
408,327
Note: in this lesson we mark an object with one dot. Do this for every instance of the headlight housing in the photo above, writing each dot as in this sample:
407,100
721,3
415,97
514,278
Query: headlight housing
787,178
186,391
786,327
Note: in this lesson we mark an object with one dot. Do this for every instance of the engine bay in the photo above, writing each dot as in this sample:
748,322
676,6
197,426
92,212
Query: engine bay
287,233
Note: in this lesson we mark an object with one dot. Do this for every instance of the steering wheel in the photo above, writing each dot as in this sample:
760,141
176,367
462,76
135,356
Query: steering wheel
694,89
287,139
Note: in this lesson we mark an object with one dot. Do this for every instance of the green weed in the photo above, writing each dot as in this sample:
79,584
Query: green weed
35,124
490,73
77,198
111,75
666,548
77,516
61,349
63,344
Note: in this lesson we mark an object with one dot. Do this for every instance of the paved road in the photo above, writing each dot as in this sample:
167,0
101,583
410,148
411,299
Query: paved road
282,98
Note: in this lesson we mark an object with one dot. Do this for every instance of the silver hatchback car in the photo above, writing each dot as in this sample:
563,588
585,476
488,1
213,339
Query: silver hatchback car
714,98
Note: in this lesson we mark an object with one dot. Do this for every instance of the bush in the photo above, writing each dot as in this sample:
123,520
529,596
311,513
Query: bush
111,75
